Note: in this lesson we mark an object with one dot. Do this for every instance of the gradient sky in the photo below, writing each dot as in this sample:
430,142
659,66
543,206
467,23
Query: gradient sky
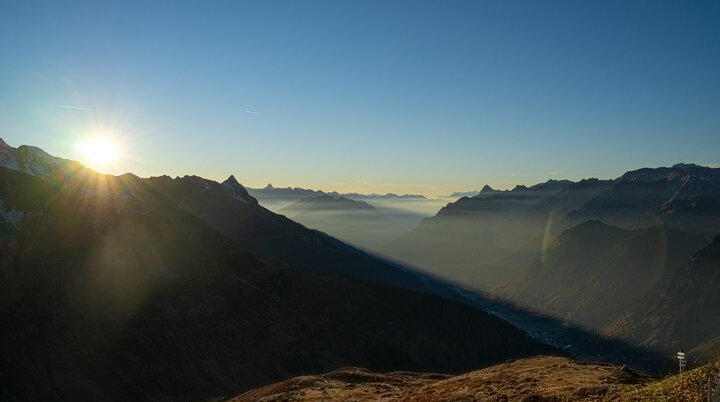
370,96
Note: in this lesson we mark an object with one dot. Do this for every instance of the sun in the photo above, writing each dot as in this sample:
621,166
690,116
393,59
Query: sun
100,151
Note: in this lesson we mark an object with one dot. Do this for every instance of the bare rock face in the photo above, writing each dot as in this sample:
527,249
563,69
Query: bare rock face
237,191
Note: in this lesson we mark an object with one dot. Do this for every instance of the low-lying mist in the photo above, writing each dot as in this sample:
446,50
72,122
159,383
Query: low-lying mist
371,229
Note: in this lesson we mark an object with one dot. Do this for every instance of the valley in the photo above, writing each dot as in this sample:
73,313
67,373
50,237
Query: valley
147,267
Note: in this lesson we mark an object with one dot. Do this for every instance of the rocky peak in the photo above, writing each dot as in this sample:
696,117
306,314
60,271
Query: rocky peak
35,161
4,145
237,190
8,156
684,165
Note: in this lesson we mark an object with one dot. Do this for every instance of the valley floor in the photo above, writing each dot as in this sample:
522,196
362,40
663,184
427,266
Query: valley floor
542,378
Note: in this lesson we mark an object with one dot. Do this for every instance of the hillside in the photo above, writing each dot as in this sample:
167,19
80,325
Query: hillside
684,313
227,207
98,302
592,272
534,379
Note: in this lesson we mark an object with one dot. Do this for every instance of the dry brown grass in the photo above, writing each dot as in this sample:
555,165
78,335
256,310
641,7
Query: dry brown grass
542,378
692,385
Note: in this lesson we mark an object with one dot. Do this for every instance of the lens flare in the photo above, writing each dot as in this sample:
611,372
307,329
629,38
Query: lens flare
549,236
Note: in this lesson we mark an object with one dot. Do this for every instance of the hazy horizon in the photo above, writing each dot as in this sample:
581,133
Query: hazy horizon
367,189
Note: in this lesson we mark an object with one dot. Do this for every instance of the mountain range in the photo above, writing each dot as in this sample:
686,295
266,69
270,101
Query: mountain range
484,241
404,212
629,257
271,194
480,241
122,288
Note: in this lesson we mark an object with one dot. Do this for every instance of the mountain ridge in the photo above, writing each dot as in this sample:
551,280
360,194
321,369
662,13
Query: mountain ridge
484,241
123,294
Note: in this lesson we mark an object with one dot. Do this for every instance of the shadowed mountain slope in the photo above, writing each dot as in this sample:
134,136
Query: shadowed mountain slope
227,207
100,301
266,233
685,313
592,272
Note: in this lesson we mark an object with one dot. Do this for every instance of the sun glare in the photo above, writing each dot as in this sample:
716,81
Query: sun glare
99,151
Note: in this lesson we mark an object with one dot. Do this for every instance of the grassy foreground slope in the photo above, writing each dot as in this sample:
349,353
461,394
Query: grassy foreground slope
542,378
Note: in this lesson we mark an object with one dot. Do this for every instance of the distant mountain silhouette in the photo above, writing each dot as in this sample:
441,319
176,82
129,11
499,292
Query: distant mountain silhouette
404,212
286,195
353,221
483,241
555,209
291,194
328,203
460,194
485,191
685,196
112,288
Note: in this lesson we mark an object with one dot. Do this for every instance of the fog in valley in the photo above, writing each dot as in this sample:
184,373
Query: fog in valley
579,251
367,222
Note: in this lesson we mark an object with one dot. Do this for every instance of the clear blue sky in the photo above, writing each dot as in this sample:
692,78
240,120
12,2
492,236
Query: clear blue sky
402,96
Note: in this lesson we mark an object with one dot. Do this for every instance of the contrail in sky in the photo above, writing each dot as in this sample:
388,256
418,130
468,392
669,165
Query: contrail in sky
78,108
